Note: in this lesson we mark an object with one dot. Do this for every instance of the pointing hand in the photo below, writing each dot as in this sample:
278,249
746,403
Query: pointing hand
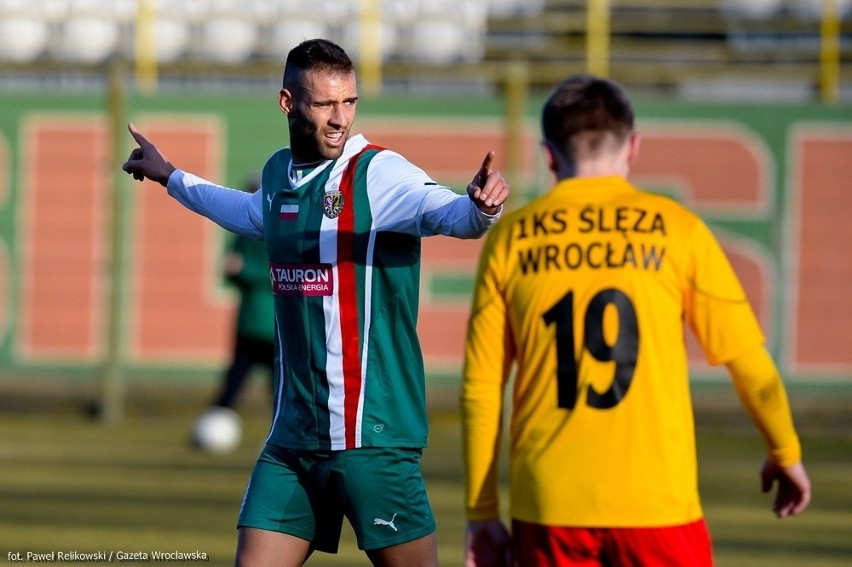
488,190
146,161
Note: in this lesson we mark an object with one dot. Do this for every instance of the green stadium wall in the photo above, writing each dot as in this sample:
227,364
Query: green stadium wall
772,182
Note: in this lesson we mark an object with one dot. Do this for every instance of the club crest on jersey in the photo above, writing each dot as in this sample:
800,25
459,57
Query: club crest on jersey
332,203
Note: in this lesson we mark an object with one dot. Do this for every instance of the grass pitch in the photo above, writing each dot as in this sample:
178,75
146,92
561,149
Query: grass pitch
70,484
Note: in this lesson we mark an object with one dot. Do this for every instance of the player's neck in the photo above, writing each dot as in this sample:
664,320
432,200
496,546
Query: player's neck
601,170
594,168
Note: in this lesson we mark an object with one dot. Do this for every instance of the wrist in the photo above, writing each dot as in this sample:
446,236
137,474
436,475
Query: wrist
489,211
168,170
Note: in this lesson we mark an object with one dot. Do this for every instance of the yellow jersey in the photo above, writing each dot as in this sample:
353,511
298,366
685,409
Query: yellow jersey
584,293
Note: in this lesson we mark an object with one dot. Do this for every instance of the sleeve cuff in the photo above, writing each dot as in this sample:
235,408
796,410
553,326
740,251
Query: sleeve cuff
479,515
175,180
489,219
787,456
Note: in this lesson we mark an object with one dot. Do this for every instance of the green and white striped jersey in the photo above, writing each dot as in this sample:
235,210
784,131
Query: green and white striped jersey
344,256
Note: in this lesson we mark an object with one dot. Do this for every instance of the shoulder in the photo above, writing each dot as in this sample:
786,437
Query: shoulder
663,202
391,159
278,160
386,170
673,210
279,155
356,145
275,168
360,145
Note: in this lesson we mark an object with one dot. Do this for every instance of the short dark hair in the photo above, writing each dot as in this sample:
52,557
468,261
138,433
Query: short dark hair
580,113
316,55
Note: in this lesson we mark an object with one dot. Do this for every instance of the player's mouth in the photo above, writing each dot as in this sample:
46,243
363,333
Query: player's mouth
335,138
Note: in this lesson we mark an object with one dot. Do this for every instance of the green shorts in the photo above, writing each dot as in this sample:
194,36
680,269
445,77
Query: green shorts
307,493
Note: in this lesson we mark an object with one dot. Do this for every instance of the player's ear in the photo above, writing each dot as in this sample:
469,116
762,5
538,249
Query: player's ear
285,101
633,148
551,159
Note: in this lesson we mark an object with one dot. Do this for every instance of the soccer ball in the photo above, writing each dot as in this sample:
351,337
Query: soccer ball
218,431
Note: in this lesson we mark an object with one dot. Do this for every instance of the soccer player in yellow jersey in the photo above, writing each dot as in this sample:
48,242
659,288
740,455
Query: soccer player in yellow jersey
584,292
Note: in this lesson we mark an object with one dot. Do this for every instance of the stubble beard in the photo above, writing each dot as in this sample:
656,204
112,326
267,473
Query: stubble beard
308,144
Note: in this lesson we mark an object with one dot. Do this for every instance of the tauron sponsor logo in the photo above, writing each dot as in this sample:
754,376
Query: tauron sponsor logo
301,279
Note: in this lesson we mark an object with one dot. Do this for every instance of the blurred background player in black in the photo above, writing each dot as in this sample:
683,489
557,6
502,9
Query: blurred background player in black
246,268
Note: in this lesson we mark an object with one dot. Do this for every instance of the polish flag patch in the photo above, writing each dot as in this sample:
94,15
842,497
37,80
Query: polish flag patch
289,212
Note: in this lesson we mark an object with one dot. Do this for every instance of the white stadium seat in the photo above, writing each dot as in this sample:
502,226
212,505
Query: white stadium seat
288,32
751,9
438,40
227,39
334,12
291,22
351,39
401,13
124,11
228,32
172,38
87,39
448,31
51,11
22,37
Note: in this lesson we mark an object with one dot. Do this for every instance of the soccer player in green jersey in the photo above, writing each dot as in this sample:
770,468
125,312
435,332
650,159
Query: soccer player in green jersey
585,291
342,220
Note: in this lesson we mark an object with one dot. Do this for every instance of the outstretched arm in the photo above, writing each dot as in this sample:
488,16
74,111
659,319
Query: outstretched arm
411,202
147,161
762,392
238,211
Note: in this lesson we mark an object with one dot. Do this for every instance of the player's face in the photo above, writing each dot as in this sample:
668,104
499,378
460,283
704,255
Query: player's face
320,112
